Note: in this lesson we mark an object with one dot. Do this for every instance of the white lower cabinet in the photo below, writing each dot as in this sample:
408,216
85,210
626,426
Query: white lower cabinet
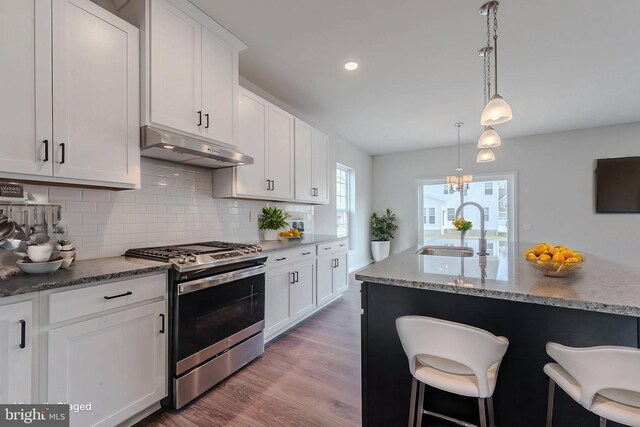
16,352
290,295
332,276
115,362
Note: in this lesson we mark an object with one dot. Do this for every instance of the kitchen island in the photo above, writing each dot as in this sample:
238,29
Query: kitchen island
599,305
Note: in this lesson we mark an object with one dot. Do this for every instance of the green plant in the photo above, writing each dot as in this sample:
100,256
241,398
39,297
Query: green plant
383,227
272,219
462,224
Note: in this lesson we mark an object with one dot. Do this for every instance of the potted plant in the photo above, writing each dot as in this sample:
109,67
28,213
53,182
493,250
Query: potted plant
272,220
382,228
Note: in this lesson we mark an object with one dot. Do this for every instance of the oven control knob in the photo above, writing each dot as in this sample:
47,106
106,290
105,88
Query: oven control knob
254,249
193,258
182,260
247,250
259,248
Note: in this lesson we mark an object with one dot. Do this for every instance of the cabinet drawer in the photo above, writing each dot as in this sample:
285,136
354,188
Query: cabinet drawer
95,299
290,255
337,246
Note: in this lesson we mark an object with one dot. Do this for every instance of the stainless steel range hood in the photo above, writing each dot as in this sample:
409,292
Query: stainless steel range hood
164,145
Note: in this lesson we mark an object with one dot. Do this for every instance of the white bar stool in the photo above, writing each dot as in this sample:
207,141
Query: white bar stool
452,357
605,380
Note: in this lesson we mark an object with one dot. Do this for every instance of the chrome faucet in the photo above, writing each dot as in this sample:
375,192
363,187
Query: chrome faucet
483,233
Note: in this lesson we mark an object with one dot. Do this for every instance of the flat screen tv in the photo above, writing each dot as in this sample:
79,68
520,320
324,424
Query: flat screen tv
618,185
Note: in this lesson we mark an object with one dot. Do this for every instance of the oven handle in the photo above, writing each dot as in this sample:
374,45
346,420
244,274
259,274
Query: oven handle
219,279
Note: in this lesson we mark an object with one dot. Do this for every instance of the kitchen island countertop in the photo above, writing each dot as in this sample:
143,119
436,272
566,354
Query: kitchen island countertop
601,286
80,272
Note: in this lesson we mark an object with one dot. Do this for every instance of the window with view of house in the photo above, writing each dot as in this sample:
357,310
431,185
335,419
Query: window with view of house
432,215
488,188
344,201
486,214
451,214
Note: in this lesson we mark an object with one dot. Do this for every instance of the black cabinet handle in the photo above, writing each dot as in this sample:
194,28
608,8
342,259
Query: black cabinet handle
306,253
268,185
120,296
206,116
293,277
273,185
46,150
162,328
23,334
337,262
199,118
297,277
281,259
63,150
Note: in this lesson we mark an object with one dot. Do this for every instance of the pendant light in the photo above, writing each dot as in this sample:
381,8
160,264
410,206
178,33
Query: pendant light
489,138
485,155
459,182
497,110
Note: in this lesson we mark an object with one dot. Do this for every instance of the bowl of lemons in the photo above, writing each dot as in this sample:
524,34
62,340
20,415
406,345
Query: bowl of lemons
554,261
292,233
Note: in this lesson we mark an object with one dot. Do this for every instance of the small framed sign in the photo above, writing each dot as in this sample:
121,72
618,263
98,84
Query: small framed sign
10,189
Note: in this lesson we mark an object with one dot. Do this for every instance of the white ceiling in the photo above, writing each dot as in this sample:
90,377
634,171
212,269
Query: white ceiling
563,65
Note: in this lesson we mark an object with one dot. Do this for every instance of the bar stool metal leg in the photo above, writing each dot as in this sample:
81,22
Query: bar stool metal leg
412,402
483,413
603,422
420,404
492,419
552,389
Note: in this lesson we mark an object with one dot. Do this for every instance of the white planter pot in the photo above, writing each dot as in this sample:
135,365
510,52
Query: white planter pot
380,250
270,234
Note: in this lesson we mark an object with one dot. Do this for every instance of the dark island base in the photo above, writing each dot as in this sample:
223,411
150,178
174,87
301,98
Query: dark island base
520,398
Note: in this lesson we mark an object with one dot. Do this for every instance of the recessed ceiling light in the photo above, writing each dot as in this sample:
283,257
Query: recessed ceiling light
350,66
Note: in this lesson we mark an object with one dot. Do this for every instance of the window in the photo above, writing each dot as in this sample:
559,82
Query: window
446,189
486,214
451,214
488,188
432,215
344,201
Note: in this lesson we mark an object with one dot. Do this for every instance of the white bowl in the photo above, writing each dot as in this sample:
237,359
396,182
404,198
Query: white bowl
39,253
39,267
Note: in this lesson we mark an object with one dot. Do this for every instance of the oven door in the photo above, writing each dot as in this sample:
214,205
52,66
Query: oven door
217,312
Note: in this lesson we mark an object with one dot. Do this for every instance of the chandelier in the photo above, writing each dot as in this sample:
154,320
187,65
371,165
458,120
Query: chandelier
459,182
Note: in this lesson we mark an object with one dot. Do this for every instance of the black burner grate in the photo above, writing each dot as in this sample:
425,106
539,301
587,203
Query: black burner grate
166,253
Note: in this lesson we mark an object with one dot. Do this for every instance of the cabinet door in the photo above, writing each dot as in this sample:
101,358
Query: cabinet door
278,305
320,166
25,87
340,273
280,152
303,157
251,180
304,290
95,94
219,89
324,282
115,362
176,68
15,352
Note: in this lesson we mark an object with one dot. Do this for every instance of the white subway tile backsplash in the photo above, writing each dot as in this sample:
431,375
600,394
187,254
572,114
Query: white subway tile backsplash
173,206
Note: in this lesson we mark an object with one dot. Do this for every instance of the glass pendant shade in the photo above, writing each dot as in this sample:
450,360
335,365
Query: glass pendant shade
489,138
496,111
485,155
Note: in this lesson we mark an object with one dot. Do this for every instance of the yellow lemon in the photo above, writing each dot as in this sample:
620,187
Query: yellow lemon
531,255
539,250
558,257
578,256
572,260
544,258
554,251
567,253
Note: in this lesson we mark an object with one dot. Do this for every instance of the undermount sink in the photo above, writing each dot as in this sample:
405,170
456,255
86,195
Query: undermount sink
454,251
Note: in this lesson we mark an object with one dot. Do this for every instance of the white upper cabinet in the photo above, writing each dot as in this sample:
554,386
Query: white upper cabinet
25,88
69,98
311,164
219,89
176,70
190,70
266,134
95,94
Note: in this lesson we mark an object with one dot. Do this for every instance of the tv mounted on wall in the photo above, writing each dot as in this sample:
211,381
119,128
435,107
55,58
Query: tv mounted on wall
618,185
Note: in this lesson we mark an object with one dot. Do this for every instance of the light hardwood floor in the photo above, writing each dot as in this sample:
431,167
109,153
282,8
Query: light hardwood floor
309,376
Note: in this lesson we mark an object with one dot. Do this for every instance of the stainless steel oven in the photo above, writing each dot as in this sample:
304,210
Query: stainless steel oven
219,323
217,300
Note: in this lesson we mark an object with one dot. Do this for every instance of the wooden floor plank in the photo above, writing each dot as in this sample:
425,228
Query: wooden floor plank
310,376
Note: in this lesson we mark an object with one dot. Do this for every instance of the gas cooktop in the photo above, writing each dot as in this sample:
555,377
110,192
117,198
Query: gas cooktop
199,255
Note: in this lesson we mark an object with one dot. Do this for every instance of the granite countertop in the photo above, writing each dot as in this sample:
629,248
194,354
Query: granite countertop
307,239
601,286
80,272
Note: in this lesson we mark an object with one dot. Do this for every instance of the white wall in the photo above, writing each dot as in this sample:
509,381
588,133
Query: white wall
555,189
340,151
